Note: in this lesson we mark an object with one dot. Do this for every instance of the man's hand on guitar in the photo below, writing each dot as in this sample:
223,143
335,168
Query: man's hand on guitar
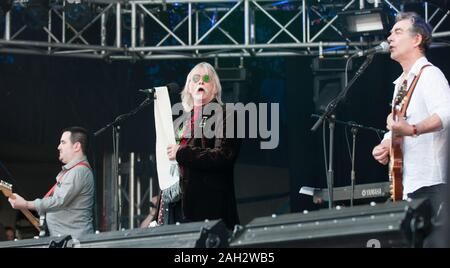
381,152
399,127
18,202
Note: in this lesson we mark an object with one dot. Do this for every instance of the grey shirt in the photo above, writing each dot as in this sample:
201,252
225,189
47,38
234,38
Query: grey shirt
69,210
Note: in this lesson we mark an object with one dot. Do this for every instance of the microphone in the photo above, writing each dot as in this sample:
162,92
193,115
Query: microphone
383,47
171,87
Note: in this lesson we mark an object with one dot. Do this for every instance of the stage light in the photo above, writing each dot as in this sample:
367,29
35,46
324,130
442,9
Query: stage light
364,22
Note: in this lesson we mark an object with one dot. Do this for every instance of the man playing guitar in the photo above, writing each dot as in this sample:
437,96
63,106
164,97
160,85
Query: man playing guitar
68,204
421,118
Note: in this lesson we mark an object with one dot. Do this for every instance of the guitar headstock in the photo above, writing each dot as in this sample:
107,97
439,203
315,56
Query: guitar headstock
399,99
6,188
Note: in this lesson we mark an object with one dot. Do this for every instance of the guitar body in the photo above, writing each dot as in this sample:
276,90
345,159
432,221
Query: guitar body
399,107
396,154
396,168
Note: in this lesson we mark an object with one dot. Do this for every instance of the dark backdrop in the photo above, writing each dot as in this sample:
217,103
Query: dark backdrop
39,96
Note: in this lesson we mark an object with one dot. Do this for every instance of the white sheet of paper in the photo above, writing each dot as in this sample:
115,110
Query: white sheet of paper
307,190
167,169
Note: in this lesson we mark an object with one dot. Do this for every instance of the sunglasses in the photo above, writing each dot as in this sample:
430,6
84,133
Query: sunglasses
205,78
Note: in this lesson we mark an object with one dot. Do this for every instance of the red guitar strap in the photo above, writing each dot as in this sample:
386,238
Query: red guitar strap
411,90
50,192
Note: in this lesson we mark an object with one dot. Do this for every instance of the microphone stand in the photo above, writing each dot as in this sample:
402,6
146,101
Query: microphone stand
352,172
330,117
354,129
354,124
115,165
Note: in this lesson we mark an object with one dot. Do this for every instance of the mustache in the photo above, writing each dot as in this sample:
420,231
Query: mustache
204,89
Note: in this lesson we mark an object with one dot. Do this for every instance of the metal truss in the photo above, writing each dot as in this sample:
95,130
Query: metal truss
186,29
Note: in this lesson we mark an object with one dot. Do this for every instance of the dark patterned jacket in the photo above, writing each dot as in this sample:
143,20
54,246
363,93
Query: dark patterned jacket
207,167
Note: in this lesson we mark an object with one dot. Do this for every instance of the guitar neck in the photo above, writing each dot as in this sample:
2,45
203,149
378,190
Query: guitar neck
6,189
31,218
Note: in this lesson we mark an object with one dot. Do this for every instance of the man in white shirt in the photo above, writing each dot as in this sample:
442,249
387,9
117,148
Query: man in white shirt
427,119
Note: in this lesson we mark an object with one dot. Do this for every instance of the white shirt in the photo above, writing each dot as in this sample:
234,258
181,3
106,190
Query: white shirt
425,156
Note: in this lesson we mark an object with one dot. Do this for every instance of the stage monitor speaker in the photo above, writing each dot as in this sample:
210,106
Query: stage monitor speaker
399,224
326,88
207,234
38,242
330,64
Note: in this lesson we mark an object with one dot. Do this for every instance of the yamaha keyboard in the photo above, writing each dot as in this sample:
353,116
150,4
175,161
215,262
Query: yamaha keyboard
362,191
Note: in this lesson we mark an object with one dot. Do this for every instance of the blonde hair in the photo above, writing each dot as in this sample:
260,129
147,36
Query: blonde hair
186,98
